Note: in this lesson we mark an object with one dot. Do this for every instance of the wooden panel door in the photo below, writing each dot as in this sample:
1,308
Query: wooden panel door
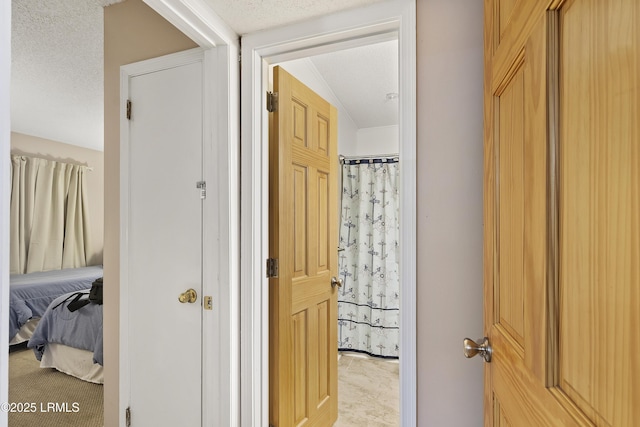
303,216
562,217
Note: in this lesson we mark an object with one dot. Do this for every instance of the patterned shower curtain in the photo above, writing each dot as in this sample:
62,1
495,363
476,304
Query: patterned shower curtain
368,302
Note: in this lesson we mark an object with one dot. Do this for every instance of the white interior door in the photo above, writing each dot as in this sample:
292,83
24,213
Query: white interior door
164,246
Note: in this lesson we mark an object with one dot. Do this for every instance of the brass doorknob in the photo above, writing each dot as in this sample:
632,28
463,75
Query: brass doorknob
189,296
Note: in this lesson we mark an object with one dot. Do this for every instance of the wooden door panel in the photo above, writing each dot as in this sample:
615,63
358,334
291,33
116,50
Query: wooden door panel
599,280
303,236
520,369
300,227
510,146
323,194
300,363
322,124
501,418
524,401
299,123
562,229
505,8
323,313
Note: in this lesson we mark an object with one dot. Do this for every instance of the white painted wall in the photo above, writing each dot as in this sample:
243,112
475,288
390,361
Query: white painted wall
307,73
371,141
351,140
449,217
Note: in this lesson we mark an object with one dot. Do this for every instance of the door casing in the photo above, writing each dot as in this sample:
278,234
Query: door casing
5,195
358,27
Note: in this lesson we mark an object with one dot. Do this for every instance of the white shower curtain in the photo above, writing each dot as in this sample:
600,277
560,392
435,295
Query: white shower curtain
49,215
368,302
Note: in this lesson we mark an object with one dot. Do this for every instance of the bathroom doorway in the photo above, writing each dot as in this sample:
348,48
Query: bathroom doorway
362,83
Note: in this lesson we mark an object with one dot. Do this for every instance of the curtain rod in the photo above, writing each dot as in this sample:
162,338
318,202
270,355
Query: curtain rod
89,168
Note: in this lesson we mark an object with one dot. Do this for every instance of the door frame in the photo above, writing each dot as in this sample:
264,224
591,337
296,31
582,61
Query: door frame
220,388
341,30
220,343
5,196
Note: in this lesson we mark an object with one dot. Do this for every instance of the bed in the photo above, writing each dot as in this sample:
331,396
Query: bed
71,341
30,295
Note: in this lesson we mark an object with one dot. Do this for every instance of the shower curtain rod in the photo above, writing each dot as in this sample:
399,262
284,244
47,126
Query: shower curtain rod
376,156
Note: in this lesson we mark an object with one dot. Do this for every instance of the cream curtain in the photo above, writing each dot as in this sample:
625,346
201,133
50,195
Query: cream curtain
49,215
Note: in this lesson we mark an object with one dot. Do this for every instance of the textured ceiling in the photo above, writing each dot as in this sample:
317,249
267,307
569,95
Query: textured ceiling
246,16
57,64
57,70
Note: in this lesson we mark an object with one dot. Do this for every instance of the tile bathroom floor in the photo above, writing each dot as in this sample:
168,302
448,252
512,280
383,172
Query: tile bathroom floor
368,392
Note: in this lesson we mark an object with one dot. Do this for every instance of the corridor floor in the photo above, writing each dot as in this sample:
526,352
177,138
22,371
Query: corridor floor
368,392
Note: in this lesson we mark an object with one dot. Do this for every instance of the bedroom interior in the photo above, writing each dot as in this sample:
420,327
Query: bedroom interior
57,209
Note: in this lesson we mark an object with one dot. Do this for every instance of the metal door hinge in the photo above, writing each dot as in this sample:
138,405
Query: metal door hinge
272,102
202,185
272,267
127,416
128,109
208,302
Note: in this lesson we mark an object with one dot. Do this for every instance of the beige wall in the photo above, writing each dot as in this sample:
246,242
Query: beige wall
44,148
132,32
449,217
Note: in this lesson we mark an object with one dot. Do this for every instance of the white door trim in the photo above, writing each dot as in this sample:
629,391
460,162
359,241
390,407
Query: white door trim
5,196
351,28
197,20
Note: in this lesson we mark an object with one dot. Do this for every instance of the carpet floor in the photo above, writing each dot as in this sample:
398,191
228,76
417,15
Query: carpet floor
48,398
368,391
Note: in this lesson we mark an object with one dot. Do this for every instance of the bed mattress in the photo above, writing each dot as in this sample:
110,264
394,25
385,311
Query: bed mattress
30,294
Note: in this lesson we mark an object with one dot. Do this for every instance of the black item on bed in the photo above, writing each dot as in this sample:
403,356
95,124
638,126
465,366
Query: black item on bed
95,295
77,300
75,303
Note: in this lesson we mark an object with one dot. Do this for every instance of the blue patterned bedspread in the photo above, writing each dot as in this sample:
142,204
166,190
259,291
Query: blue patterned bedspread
80,329
30,294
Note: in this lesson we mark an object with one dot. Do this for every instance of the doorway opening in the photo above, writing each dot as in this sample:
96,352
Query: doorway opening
346,30
362,83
